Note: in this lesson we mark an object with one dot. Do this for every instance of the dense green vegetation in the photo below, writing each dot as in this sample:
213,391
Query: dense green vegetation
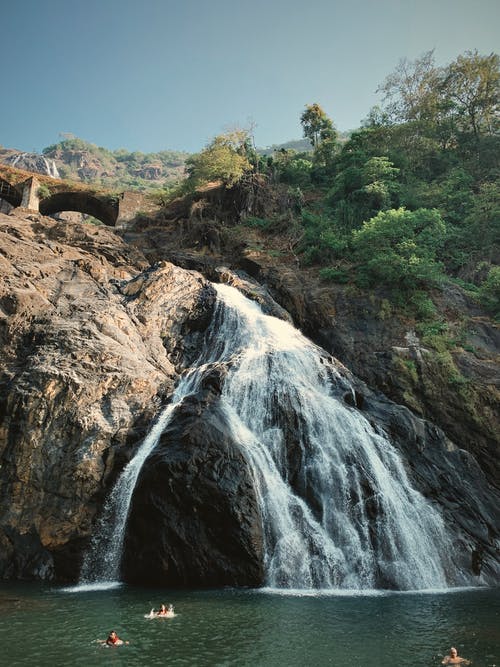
412,198
408,201
225,158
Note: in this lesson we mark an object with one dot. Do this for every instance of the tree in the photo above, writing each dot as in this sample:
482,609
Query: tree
360,191
398,248
482,225
462,96
316,125
411,92
224,159
472,86
489,292
292,167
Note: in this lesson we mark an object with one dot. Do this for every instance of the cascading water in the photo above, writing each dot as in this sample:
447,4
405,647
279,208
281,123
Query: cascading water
102,561
338,509
51,168
35,162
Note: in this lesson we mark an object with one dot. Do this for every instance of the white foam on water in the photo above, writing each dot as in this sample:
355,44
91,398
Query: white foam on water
91,587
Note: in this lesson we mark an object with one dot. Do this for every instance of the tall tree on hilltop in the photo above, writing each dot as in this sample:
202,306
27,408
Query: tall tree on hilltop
463,95
472,85
316,125
411,92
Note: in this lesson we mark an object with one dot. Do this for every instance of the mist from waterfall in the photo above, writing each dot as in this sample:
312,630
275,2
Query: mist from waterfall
337,506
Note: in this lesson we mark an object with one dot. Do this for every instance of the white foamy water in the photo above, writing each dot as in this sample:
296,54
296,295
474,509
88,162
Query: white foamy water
338,509
102,561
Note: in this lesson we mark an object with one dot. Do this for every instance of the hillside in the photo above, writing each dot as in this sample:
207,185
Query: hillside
79,160
76,159
382,249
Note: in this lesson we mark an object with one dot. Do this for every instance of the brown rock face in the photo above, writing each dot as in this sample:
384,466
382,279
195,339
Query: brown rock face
92,340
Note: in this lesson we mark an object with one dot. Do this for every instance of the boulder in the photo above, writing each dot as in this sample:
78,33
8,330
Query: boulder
194,519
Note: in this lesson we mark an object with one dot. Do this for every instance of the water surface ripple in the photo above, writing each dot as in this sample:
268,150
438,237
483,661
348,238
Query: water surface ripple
50,627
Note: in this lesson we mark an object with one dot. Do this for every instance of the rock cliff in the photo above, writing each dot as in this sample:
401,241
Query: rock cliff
91,344
194,519
95,331
450,379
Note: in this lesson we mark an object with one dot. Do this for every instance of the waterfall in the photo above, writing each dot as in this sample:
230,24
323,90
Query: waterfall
35,162
337,506
51,168
102,561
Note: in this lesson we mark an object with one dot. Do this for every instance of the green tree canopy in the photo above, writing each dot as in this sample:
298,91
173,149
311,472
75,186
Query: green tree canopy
398,248
224,159
489,293
411,92
472,88
462,96
316,125
292,167
363,189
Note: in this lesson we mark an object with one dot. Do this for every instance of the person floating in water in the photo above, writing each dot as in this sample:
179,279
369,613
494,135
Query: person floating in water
164,612
454,659
114,640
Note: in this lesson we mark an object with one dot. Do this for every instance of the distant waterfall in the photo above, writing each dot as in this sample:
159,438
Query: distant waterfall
51,168
35,162
347,517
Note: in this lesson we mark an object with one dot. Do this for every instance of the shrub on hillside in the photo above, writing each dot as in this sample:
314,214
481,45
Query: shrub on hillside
398,248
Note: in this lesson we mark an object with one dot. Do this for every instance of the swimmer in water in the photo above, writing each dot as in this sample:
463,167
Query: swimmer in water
454,659
114,640
166,611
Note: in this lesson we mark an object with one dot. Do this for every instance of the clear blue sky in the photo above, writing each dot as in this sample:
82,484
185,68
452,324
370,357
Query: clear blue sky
170,74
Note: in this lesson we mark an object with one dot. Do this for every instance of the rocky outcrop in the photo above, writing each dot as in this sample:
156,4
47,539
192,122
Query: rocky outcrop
92,341
449,477
453,383
195,519
30,162
149,172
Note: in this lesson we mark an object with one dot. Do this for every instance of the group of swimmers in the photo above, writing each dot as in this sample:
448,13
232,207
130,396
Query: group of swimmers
165,610
113,640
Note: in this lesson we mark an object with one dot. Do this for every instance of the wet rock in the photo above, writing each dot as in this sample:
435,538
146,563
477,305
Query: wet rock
93,339
33,162
23,556
450,478
194,519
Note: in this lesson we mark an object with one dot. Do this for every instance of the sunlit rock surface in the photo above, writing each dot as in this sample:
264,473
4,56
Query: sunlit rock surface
90,339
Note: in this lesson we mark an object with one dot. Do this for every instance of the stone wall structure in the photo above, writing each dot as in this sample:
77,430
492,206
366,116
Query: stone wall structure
22,189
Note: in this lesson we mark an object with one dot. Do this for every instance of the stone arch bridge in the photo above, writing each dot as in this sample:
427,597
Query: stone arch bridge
42,194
